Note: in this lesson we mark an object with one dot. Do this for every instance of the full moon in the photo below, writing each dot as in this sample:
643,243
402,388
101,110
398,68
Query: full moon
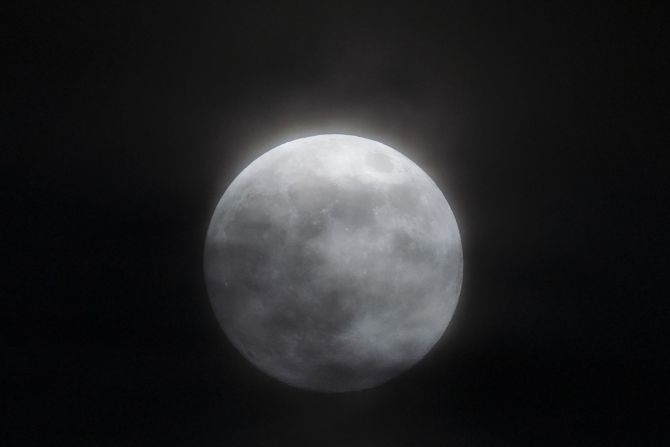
333,263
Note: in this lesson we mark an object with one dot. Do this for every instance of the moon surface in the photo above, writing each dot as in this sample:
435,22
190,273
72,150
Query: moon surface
333,263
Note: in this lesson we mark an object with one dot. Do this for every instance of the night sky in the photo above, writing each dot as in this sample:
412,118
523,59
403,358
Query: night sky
544,125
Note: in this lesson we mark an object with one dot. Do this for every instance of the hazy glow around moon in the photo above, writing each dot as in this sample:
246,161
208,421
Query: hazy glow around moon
333,263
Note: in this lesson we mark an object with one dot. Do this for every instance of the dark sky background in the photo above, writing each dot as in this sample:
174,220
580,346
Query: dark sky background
544,124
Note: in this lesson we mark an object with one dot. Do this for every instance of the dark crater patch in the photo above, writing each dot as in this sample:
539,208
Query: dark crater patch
355,206
379,162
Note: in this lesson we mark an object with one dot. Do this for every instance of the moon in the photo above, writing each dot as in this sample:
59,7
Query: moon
333,263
